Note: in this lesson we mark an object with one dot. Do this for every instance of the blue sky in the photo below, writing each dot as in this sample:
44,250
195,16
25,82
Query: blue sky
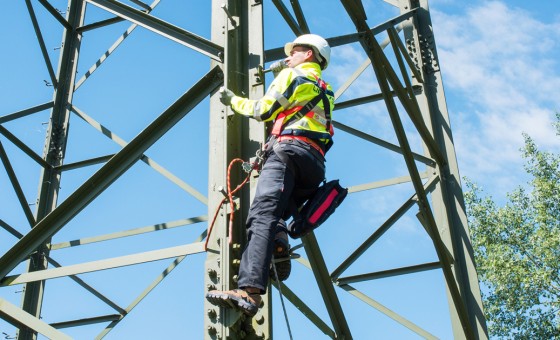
500,72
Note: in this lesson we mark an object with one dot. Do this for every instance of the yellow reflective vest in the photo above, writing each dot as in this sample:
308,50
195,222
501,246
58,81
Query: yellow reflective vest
291,90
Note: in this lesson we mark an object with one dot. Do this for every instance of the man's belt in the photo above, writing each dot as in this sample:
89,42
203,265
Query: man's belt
307,140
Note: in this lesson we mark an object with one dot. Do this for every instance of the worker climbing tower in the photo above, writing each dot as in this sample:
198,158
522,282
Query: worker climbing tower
140,206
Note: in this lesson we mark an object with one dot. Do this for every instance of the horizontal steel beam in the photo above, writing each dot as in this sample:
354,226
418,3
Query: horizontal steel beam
131,232
20,318
383,183
84,163
72,277
110,172
367,99
116,262
389,273
382,143
89,288
162,28
278,53
99,24
26,112
86,321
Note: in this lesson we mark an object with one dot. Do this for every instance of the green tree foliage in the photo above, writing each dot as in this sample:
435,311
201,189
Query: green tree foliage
517,251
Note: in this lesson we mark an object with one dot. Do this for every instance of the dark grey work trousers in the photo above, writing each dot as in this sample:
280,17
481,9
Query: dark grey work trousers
280,188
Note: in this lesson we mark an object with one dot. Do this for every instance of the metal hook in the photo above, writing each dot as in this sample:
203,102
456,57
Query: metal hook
231,18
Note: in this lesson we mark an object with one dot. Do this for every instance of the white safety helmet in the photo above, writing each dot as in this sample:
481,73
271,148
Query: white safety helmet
318,44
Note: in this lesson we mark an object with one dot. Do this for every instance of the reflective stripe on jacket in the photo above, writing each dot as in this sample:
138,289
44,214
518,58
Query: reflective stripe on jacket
288,90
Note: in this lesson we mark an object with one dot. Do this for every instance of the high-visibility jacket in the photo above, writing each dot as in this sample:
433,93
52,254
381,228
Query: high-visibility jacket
290,91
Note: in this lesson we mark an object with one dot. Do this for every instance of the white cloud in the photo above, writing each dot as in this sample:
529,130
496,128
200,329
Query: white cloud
501,74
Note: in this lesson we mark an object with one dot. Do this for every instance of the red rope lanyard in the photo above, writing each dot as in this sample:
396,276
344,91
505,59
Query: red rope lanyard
229,197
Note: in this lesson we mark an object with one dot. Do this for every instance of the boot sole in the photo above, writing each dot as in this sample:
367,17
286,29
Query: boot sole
232,301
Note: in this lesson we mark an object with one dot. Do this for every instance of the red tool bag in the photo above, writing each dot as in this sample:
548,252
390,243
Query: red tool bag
317,209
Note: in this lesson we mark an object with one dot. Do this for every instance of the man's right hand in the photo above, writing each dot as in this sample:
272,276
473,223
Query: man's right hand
226,95
277,66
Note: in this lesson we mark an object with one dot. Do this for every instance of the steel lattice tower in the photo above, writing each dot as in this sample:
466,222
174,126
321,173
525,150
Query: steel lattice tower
37,245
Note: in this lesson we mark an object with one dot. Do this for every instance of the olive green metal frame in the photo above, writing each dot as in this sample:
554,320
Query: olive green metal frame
237,47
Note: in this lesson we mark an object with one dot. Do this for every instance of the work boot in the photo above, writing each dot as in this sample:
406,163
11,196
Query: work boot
281,254
248,303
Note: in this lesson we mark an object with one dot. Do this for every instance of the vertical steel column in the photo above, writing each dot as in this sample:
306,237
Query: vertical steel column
233,136
54,150
253,137
447,197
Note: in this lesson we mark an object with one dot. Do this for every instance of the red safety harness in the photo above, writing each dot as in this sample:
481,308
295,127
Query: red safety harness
279,133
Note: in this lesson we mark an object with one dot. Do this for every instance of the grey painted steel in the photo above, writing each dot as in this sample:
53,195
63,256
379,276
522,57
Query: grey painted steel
86,321
167,174
16,316
220,255
407,205
386,76
278,53
93,266
54,153
99,24
10,229
41,41
300,16
111,49
400,52
306,310
23,147
383,183
233,136
235,57
147,290
113,169
74,278
253,137
285,12
381,142
64,21
389,273
131,232
447,197
362,68
89,288
161,27
16,185
25,112
395,316
326,287
84,163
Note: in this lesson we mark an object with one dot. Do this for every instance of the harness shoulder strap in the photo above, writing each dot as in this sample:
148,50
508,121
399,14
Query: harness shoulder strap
279,124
